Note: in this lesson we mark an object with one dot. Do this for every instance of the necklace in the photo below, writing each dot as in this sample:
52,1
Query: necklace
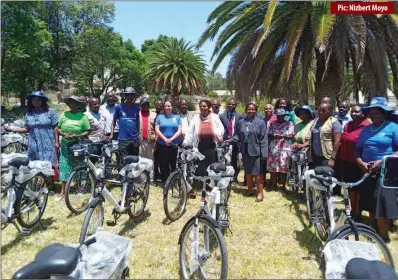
204,118
374,130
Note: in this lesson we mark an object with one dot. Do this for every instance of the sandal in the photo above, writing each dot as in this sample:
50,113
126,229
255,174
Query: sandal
250,194
259,199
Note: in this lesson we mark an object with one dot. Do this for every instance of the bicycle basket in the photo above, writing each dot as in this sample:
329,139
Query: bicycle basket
78,150
338,253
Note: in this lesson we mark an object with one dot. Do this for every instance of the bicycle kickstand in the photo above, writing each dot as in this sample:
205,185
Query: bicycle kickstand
41,224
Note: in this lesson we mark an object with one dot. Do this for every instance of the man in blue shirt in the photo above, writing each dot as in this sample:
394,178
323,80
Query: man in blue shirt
344,116
128,116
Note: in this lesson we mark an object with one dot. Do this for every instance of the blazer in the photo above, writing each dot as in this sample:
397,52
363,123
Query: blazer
191,137
224,118
151,127
257,140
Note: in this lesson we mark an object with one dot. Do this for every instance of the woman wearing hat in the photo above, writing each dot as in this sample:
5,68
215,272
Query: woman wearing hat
350,172
375,141
40,123
280,133
302,131
72,125
287,106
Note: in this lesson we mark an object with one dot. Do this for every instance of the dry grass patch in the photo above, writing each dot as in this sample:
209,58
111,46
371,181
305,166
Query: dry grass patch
268,240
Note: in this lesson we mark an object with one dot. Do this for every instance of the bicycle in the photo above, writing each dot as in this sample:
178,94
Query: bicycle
204,228
12,142
179,182
299,165
135,184
322,208
80,185
103,256
26,191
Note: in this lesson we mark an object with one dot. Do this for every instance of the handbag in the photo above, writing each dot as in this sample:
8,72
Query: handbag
56,166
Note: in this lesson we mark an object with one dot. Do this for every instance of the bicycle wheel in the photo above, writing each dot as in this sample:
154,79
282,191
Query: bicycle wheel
79,189
322,221
32,202
137,197
175,199
229,190
368,235
206,260
93,220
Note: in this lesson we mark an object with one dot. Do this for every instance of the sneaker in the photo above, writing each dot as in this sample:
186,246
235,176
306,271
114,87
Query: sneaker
51,193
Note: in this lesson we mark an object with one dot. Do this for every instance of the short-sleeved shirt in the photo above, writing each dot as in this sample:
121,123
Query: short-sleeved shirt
108,112
380,143
168,126
73,123
128,121
316,136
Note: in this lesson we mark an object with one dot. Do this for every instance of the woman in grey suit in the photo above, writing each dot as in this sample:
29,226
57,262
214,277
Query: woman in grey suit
253,143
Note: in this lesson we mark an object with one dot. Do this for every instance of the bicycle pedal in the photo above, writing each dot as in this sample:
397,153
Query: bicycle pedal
25,231
111,223
224,223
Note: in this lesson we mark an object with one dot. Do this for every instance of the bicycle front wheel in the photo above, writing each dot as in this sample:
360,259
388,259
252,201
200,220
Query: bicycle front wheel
175,199
138,196
203,254
93,220
33,201
79,189
368,235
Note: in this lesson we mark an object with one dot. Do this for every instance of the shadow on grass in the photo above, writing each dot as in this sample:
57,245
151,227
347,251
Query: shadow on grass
131,224
37,228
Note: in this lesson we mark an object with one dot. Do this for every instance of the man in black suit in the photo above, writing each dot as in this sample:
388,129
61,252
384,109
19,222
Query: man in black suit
230,119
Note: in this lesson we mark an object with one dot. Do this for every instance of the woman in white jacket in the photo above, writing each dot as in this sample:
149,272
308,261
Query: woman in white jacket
204,131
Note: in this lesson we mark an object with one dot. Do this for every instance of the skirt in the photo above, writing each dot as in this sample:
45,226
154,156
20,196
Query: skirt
252,165
67,162
381,201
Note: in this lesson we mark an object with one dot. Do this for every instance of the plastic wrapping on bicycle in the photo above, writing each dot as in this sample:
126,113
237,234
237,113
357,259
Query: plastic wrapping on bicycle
223,144
218,167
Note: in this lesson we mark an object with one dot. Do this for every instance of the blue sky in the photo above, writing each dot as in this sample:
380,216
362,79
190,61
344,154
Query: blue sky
140,21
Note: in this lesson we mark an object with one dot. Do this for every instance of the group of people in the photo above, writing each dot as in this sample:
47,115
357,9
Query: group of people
347,141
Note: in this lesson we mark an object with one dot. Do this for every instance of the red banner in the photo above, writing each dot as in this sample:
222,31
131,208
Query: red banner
362,7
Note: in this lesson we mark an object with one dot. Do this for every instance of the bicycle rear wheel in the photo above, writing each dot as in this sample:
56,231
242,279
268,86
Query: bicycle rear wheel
176,196
206,260
367,235
79,189
322,221
93,220
33,201
138,196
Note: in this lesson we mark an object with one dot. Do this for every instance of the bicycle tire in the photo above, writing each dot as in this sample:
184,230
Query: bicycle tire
91,179
98,208
23,201
175,180
219,239
369,233
321,227
144,194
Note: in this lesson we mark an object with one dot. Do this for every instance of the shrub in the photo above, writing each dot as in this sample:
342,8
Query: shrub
212,94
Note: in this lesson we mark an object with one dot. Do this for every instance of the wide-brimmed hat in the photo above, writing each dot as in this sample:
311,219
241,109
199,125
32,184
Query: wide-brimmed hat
280,112
144,101
377,102
308,108
129,91
74,98
37,93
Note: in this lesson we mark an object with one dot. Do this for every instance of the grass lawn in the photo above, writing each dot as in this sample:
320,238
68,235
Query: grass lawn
268,240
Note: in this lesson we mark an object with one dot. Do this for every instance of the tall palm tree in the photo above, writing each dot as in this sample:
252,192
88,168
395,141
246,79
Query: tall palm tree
175,65
281,48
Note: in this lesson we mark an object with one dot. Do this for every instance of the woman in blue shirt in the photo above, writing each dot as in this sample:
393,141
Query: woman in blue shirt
375,141
168,130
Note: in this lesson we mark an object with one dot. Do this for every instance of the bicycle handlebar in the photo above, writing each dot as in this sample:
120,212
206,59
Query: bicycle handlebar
331,180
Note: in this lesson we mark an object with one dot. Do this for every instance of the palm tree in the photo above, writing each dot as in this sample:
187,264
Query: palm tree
175,65
281,48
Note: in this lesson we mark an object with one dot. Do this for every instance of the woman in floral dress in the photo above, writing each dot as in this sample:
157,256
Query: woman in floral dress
40,123
280,133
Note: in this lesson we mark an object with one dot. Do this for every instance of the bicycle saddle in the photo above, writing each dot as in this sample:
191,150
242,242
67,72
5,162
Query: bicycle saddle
324,171
130,159
359,268
218,167
18,162
55,259
105,142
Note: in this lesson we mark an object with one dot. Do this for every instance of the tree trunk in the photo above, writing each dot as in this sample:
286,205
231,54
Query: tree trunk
330,86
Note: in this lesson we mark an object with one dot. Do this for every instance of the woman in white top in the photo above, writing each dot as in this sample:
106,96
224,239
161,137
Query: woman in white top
204,131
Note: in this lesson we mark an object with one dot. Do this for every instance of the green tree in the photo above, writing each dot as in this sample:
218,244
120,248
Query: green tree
104,61
148,44
175,66
23,43
286,47
215,81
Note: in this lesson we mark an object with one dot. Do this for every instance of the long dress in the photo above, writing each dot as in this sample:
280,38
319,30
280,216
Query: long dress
278,160
41,134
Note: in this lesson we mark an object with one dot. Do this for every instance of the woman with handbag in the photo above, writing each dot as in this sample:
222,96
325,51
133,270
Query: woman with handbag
72,125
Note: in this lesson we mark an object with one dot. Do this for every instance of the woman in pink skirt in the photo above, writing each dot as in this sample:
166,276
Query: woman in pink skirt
280,132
